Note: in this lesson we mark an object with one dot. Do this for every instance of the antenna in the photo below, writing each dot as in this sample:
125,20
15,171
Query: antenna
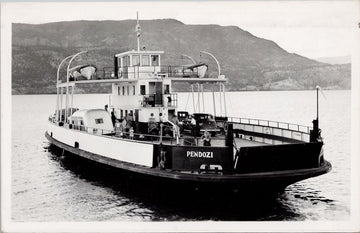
315,133
138,30
317,103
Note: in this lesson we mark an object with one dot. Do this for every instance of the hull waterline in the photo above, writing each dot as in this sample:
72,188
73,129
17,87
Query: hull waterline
267,182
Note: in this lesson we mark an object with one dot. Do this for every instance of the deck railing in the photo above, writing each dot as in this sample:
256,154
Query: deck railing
133,72
128,135
260,128
273,124
278,130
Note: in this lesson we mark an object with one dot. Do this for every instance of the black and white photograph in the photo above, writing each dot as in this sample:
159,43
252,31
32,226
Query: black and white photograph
180,116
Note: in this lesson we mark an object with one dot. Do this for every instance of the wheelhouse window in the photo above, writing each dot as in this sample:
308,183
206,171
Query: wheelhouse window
123,90
127,90
142,89
167,89
155,60
99,121
145,60
133,87
119,91
135,60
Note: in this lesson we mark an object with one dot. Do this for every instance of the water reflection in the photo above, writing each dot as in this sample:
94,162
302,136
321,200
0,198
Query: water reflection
150,201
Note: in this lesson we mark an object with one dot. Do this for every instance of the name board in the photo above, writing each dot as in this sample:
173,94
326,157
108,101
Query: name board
192,158
200,154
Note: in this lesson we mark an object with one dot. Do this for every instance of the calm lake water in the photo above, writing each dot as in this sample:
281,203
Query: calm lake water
49,187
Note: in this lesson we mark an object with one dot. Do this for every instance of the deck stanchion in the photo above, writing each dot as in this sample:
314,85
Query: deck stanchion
72,100
192,92
61,102
220,99
198,100
223,85
57,103
67,81
161,130
202,93
213,94
57,82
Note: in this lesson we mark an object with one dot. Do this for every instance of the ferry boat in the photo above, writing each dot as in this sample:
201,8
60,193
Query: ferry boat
141,130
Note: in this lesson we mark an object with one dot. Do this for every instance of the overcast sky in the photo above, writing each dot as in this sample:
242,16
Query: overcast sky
310,28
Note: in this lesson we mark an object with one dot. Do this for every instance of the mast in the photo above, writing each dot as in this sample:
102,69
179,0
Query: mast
138,30
315,133
317,103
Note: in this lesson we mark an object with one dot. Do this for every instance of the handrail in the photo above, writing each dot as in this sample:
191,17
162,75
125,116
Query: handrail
126,135
93,130
269,123
176,133
172,140
173,71
133,73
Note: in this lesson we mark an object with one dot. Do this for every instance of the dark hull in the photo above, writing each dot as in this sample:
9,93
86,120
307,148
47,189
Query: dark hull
268,182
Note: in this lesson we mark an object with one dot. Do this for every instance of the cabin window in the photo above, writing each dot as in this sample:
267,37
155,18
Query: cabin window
125,112
142,89
145,60
81,122
119,91
167,89
128,90
136,60
155,60
119,62
123,90
99,121
121,114
126,61
133,87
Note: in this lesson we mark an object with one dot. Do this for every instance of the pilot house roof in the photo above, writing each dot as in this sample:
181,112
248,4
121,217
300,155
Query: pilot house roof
135,52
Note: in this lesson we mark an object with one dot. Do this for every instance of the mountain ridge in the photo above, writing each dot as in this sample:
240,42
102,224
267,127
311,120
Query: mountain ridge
250,62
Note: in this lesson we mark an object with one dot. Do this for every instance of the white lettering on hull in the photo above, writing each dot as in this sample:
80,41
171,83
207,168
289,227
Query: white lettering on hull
200,154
